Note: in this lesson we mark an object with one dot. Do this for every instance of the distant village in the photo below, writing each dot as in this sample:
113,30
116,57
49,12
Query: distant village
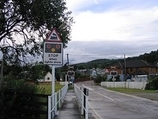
131,70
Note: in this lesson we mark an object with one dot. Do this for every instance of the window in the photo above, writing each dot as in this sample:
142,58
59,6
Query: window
48,78
131,69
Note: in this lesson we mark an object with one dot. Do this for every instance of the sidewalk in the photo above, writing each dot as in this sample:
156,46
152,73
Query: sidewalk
69,109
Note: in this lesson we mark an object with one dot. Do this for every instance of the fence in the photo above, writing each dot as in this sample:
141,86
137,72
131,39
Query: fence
82,99
55,101
135,85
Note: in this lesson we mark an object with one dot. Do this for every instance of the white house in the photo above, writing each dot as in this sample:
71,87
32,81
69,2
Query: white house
48,77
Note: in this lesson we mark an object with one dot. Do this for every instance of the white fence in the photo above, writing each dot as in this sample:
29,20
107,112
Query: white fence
82,100
55,101
135,85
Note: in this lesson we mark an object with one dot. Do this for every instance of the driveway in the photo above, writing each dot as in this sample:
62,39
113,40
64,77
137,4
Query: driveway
106,104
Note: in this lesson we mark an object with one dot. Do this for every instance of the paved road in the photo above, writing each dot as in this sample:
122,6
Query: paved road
107,104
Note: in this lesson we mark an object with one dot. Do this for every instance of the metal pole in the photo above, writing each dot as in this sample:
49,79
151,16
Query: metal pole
125,67
53,89
67,59
86,107
53,79
49,107
2,65
84,102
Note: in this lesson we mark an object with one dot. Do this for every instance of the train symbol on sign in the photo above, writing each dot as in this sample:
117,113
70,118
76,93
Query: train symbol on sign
53,36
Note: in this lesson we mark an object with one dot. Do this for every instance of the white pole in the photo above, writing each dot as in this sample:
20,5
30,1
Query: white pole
59,96
82,100
53,88
49,107
53,79
65,79
86,107
55,110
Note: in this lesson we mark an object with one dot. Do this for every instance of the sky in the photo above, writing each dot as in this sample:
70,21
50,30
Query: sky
108,29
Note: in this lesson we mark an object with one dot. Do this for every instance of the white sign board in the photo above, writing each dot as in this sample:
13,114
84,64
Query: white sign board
53,53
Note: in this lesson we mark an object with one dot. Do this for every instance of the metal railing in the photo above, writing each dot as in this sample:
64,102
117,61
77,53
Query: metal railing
82,99
55,101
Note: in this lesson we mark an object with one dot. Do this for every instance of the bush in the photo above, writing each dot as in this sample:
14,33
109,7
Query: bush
99,78
152,83
9,98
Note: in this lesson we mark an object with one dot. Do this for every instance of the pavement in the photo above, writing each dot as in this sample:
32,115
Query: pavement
69,109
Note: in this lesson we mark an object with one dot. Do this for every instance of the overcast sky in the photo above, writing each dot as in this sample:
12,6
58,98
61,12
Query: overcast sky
112,28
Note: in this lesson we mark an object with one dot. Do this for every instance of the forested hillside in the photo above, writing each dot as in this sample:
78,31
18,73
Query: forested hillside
151,57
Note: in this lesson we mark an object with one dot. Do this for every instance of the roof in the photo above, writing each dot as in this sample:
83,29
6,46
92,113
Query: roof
134,64
140,72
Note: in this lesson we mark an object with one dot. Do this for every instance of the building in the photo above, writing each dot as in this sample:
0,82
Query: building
134,69
47,78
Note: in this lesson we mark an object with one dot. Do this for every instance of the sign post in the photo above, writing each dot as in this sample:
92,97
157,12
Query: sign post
53,55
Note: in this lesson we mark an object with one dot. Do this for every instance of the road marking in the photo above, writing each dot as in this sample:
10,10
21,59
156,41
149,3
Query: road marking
87,87
104,96
98,92
97,116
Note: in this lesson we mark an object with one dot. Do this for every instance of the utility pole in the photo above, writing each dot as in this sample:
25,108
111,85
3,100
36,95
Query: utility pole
2,67
125,67
67,63
1,81
67,59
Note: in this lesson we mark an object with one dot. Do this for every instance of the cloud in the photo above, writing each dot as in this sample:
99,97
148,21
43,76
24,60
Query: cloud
112,28
77,5
81,51
115,25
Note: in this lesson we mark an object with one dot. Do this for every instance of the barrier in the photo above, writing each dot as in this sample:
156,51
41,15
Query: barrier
82,99
135,85
55,101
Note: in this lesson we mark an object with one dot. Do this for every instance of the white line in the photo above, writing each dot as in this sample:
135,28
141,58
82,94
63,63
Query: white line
105,96
97,116
87,87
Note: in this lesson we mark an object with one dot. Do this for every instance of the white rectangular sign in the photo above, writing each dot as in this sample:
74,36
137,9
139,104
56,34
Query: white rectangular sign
53,53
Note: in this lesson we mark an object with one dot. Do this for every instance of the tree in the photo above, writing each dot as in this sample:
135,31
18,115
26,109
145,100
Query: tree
24,24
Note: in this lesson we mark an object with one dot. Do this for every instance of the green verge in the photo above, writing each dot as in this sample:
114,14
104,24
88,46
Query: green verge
48,87
131,91
149,94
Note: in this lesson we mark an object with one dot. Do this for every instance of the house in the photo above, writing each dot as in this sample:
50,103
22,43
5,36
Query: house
47,78
94,72
134,69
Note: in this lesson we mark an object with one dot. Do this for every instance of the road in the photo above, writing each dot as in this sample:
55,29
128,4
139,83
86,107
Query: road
106,104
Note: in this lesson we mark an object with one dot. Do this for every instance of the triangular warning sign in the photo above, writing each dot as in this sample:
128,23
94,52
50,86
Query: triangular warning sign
53,36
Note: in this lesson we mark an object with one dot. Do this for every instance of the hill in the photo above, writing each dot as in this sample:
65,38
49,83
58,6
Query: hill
151,57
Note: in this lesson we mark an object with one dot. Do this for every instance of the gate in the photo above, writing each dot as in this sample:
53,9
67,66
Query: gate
82,99
55,101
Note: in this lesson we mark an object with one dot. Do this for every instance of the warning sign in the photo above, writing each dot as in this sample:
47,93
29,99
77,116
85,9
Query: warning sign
53,36
53,53
53,48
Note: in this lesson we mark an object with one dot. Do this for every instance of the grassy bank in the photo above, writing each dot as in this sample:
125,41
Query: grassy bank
131,91
149,94
48,87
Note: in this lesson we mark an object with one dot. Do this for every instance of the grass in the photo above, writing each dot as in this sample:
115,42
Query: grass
149,94
131,91
48,90
48,87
